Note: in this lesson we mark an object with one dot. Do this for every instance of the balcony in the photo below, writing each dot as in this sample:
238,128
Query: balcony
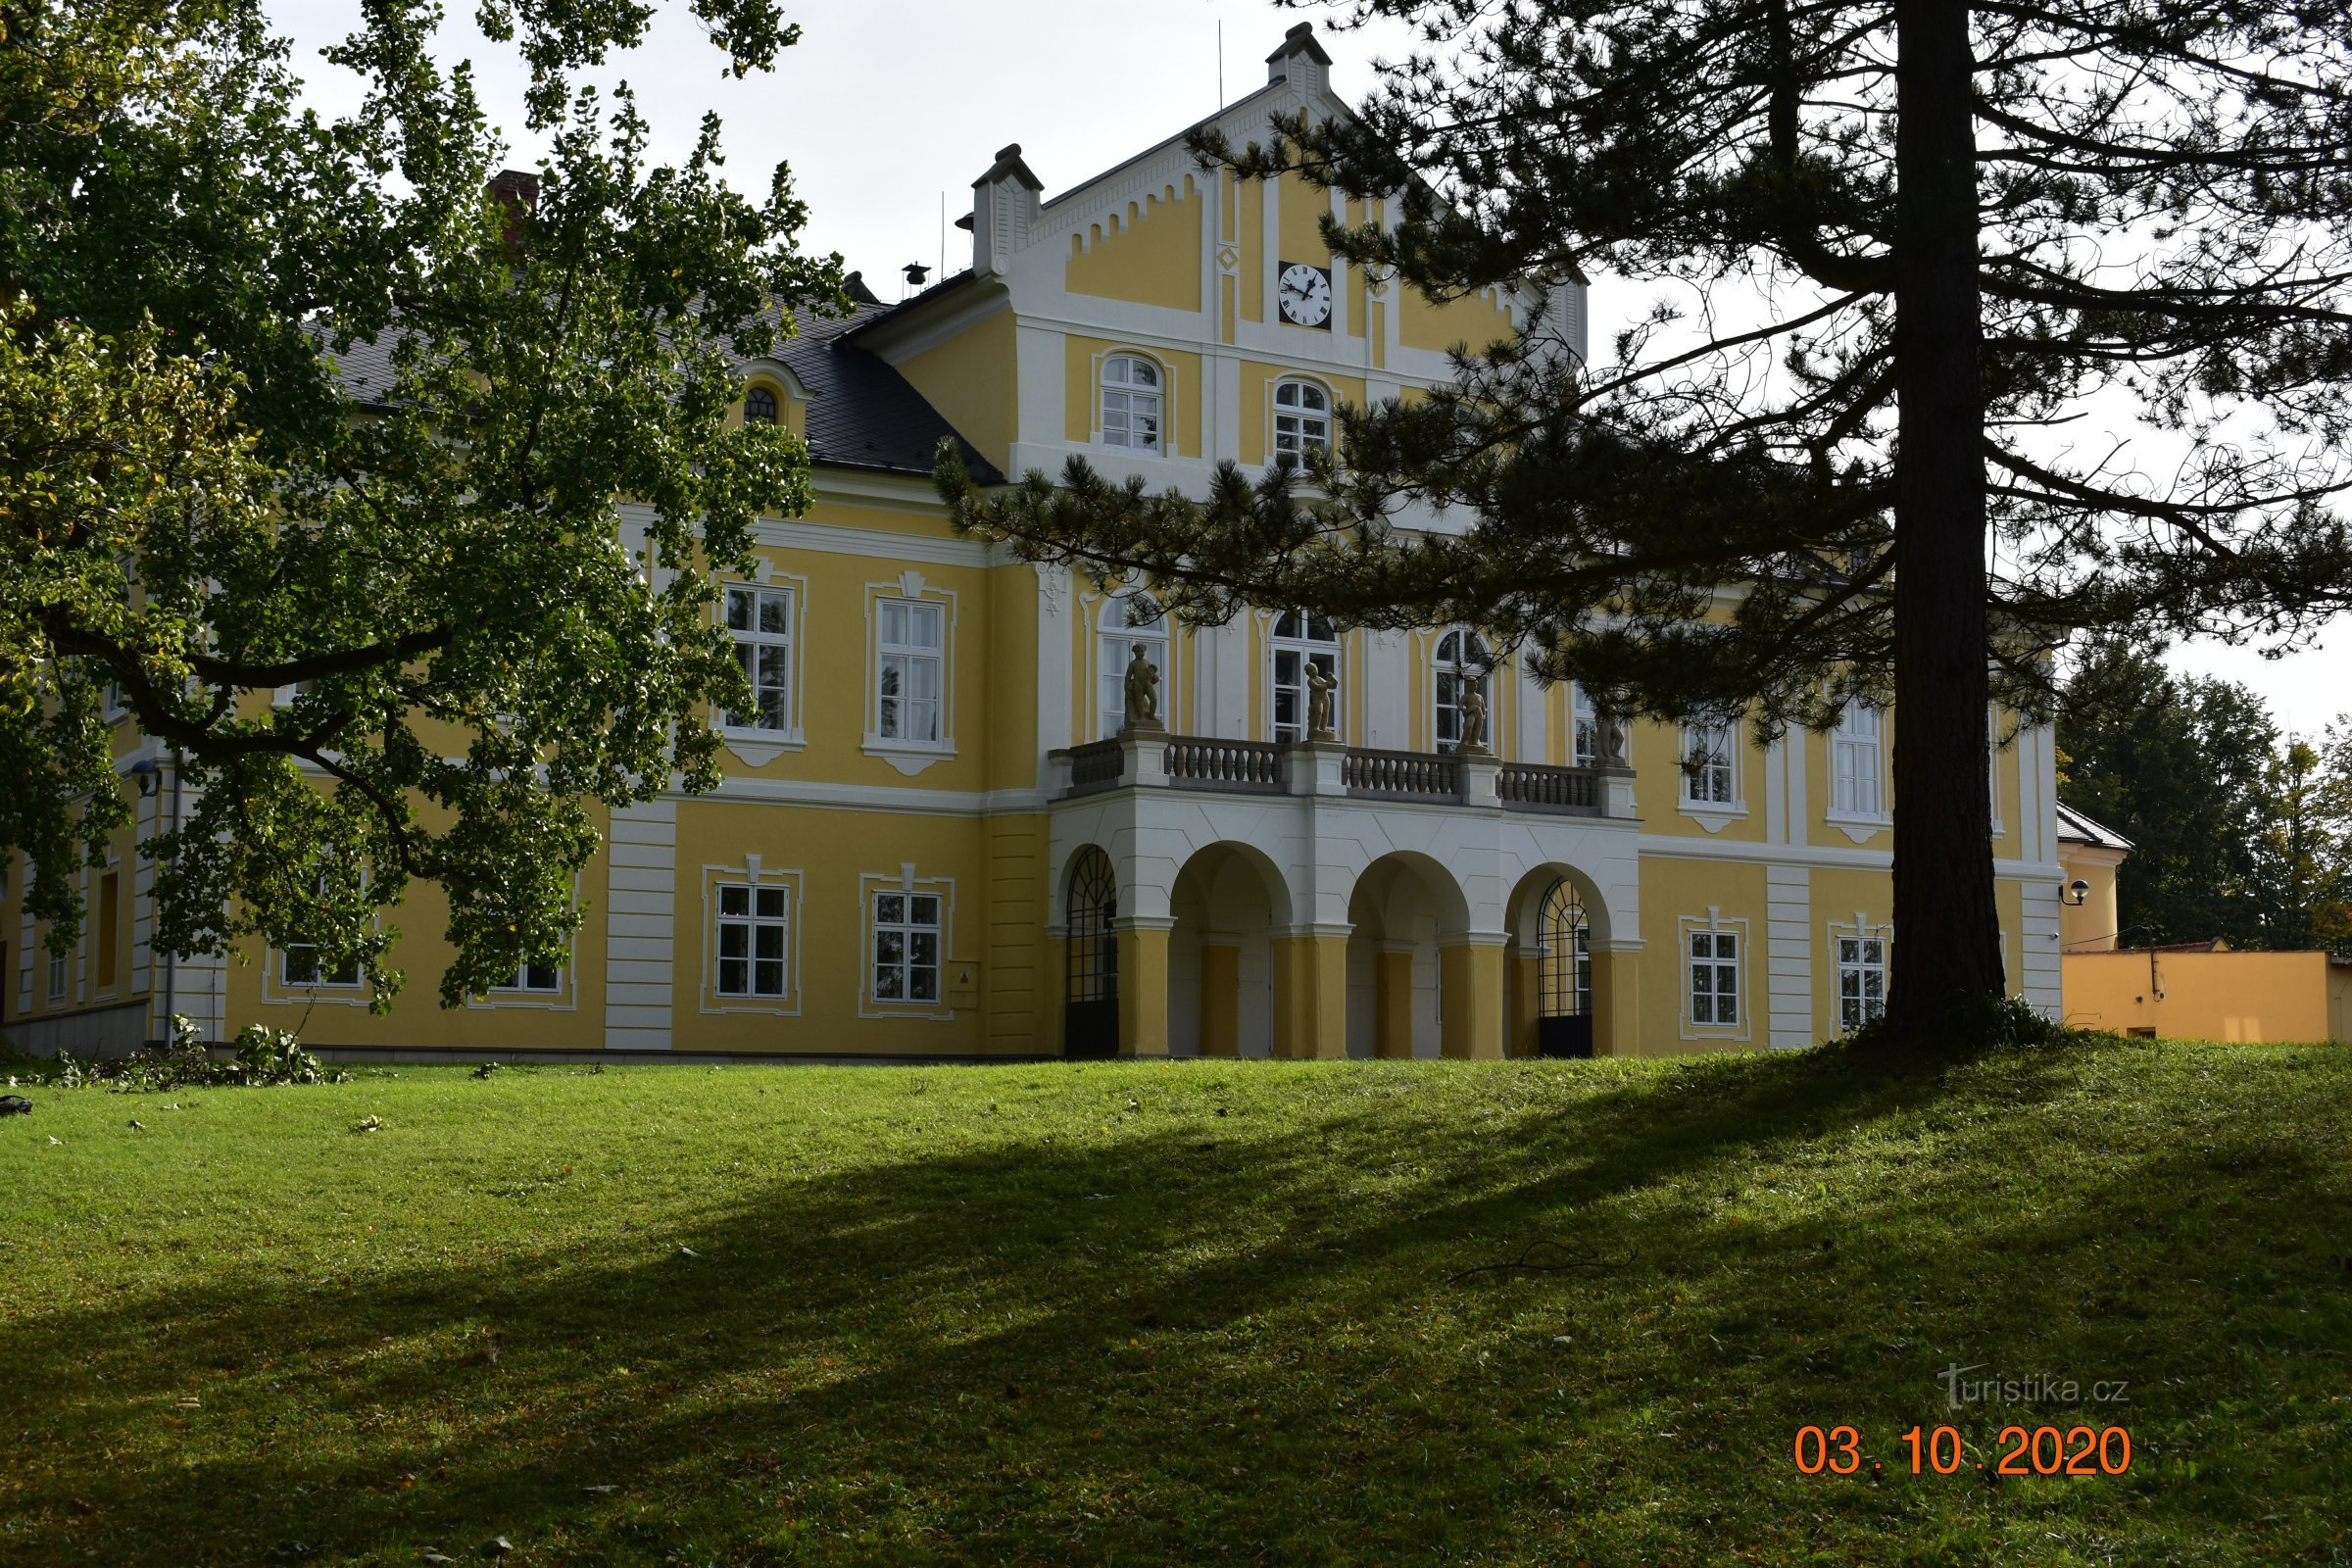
1154,759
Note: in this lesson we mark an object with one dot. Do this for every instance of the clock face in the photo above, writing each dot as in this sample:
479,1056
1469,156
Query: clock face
1305,296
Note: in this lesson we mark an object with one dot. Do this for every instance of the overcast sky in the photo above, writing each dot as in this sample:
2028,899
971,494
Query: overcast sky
883,107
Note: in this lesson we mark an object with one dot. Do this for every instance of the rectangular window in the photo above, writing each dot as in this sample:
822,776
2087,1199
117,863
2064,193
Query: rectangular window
755,929
1708,777
910,657
300,967
1861,980
58,973
1586,723
761,621
542,978
1715,977
907,946
110,923
1855,751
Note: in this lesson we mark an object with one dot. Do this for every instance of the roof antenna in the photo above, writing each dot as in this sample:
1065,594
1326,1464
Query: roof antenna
1220,62
943,233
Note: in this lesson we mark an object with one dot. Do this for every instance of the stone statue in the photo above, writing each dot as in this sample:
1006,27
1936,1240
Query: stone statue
1143,691
1321,684
1612,738
1474,718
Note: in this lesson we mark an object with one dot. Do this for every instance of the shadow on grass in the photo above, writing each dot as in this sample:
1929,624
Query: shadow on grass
1195,1340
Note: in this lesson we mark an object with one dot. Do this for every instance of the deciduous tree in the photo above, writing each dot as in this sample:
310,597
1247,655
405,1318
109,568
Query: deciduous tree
309,450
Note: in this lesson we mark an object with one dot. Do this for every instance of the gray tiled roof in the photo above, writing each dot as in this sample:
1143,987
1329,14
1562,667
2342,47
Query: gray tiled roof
862,413
2075,828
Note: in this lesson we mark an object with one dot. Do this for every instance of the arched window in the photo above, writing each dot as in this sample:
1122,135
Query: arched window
1302,420
1130,621
1463,666
1131,402
1302,641
1563,974
758,407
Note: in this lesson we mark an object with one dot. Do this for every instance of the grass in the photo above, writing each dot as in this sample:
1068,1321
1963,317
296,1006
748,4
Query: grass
1192,1313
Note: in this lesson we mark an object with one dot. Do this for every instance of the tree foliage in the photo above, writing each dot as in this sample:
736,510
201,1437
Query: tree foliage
310,449
2237,831
1910,257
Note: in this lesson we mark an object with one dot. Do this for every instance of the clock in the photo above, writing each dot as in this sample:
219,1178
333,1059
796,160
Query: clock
1305,295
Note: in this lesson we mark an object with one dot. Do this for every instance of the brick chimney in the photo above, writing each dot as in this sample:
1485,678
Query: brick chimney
517,196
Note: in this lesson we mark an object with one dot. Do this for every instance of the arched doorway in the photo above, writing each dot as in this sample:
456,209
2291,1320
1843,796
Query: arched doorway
1228,900
1090,1019
1563,973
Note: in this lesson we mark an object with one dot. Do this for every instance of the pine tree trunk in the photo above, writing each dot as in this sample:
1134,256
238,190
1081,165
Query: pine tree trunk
1947,925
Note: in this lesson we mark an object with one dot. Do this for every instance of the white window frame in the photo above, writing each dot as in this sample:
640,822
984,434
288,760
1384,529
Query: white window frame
1298,424
908,754
324,982
1716,930
756,639
1116,636
750,873
1298,650
1696,790
1858,765
532,979
1861,936
765,908
1584,727
1446,678
61,974
1993,764
1118,395
904,883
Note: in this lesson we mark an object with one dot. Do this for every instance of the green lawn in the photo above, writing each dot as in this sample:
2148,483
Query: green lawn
1189,1314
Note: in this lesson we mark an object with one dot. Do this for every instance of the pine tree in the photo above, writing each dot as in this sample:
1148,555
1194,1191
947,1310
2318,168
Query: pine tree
1921,244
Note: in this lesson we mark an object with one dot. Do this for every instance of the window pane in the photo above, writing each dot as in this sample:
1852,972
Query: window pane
769,941
894,621
733,941
739,608
926,909
773,615
771,904
769,978
731,974
887,983
890,908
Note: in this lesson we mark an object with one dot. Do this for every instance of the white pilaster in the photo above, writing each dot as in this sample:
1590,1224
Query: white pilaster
1788,954
641,927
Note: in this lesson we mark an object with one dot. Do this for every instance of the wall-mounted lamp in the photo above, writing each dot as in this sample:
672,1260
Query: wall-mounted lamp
150,776
2078,892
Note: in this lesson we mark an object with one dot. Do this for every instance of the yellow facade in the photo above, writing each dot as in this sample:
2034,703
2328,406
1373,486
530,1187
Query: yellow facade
895,867
2172,995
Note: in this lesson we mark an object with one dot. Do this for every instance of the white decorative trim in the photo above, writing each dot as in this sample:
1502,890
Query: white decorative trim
640,963
1788,954
1860,926
1736,925
903,880
1713,816
911,756
1857,826
752,872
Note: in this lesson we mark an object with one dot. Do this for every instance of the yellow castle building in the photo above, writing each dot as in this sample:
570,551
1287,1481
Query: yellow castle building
940,837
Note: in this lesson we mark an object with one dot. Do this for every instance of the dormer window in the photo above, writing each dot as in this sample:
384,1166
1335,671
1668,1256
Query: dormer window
758,407
1302,420
1131,402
